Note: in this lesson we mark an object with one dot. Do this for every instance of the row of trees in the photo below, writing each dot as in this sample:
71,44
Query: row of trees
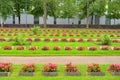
61,9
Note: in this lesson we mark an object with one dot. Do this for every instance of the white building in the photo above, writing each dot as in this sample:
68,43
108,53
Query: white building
29,19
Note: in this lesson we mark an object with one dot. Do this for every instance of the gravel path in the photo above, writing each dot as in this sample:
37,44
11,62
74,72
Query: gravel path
63,59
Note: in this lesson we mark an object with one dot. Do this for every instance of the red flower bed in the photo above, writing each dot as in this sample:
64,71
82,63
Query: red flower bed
71,68
68,47
11,39
50,67
2,39
80,48
15,34
90,40
116,48
114,68
72,40
47,39
9,34
29,39
37,39
55,40
80,40
92,48
6,67
98,40
7,47
64,40
57,35
28,68
115,40
105,48
71,35
64,35
45,47
32,48
20,47
57,48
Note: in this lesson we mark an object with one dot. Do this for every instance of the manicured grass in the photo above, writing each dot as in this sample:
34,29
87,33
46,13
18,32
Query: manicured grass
61,75
51,44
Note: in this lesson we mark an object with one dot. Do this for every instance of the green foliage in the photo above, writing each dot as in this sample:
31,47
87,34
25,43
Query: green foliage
6,8
21,41
35,30
105,40
37,8
113,9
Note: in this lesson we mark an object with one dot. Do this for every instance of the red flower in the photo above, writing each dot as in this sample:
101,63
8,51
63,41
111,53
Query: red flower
93,68
80,40
116,48
20,47
57,48
68,48
29,39
37,39
32,48
47,39
105,48
6,67
55,40
72,40
93,48
114,68
7,47
50,67
45,48
80,48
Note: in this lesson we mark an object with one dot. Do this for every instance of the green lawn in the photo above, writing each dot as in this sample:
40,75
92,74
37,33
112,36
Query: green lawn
51,44
61,75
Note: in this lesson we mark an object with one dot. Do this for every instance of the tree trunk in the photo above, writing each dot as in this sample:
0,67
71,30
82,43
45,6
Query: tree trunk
18,19
45,14
1,23
13,19
91,19
55,21
68,21
114,21
97,20
87,16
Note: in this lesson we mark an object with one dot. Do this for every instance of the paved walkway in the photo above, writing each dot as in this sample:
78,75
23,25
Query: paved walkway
63,59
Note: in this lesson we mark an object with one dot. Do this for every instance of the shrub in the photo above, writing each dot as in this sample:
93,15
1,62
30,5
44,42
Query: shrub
72,40
32,48
57,35
45,47
6,67
37,39
55,40
28,68
71,68
35,30
93,68
116,48
64,40
47,39
50,67
7,47
71,35
68,48
20,47
80,48
114,68
57,48
21,41
80,40
105,48
106,40
92,48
